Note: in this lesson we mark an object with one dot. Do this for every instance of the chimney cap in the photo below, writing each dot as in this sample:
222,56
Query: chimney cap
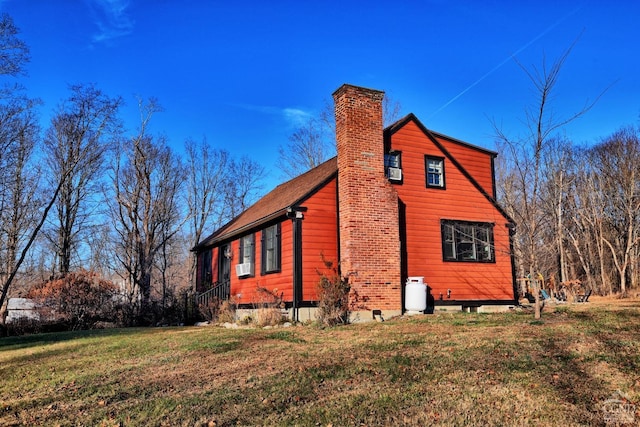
371,92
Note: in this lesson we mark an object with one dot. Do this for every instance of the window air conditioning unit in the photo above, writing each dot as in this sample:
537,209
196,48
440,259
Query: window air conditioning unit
395,174
243,269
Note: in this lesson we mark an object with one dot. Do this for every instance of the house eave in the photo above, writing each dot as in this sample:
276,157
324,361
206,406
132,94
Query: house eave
220,236
241,230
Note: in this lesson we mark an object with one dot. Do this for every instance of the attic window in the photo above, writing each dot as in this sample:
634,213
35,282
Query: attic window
435,171
392,166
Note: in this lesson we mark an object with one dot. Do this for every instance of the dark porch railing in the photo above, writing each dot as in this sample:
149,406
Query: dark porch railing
220,291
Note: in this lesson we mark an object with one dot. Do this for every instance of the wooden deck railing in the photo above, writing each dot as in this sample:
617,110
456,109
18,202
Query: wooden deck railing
220,291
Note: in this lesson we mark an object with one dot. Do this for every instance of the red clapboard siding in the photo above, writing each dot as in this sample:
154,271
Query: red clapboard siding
245,290
477,163
460,200
319,237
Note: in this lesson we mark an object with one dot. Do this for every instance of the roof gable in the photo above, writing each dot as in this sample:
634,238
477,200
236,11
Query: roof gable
389,131
275,203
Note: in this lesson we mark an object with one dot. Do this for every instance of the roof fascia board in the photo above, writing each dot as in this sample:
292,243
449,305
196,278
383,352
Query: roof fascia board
219,235
212,241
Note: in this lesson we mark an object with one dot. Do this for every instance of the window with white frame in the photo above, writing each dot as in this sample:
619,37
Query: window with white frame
247,253
271,249
467,241
435,171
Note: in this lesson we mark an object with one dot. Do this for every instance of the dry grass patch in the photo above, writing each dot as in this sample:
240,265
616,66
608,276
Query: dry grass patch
444,369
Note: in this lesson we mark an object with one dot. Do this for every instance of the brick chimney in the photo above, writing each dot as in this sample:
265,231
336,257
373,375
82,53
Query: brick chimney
367,203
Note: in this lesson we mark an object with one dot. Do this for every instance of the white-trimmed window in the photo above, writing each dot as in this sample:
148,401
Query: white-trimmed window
434,167
467,241
248,253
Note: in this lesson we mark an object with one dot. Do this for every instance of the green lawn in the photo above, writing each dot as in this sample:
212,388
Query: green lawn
446,369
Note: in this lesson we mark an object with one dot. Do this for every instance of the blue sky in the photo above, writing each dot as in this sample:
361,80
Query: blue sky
244,73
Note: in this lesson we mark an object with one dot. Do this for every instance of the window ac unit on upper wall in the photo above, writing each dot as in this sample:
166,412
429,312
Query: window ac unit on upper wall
395,174
243,269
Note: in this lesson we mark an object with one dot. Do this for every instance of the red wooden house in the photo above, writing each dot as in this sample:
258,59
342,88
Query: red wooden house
395,203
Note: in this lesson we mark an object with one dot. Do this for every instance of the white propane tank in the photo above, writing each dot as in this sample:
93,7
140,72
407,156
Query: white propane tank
415,296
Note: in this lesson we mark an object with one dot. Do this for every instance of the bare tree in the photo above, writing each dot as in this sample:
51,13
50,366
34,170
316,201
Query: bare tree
147,180
219,188
313,142
172,277
245,187
208,174
556,181
22,212
391,110
19,203
583,221
14,53
75,146
616,175
525,156
591,225
101,257
307,148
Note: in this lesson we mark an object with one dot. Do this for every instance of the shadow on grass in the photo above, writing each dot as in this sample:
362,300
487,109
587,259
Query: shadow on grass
40,356
37,340
573,385
616,331
617,343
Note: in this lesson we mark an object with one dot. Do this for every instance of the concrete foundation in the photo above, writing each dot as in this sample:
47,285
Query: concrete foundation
309,314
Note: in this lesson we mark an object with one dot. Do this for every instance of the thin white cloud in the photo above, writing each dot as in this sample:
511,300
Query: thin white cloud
111,18
295,117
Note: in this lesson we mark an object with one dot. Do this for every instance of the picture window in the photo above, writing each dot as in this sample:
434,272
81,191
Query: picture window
467,241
